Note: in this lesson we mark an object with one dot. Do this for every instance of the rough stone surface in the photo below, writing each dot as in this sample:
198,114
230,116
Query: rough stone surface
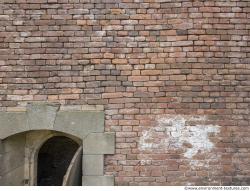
99,143
13,178
46,117
93,165
12,160
11,123
97,180
79,124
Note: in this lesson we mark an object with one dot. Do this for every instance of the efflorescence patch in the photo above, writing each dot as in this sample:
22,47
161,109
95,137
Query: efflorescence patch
190,133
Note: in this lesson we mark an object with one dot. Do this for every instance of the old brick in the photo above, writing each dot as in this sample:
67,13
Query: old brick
154,67
181,32
138,78
112,95
178,77
69,96
119,61
81,22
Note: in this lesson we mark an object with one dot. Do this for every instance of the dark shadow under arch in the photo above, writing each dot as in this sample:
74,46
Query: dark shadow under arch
54,158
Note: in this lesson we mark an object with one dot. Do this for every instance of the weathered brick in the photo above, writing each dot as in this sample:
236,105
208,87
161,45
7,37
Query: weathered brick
112,95
178,77
168,75
119,61
138,78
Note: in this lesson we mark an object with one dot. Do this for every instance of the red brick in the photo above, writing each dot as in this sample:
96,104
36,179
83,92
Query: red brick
151,72
138,78
140,62
119,61
69,96
112,95
178,77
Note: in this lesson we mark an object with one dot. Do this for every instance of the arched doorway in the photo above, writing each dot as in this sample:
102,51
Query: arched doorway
54,158
22,134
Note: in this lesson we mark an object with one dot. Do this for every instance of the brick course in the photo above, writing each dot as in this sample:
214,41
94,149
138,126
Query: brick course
141,61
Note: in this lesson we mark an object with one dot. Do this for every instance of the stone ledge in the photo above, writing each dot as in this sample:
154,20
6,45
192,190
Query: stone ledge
82,108
16,109
62,107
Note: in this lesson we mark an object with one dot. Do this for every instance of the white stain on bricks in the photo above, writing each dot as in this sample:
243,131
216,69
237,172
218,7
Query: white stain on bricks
190,133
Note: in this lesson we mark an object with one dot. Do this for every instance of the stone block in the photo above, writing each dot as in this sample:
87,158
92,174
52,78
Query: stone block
13,149
99,143
12,160
93,165
41,116
12,123
13,143
70,108
13,178
79,124
98,181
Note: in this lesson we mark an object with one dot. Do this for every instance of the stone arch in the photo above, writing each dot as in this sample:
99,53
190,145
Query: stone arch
86,125
33,147
53,160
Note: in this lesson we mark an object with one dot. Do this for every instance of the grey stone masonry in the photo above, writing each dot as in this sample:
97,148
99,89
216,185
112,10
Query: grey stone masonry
93,165
41,116
99,143
88,125
98,181
79,123
95,145
12,123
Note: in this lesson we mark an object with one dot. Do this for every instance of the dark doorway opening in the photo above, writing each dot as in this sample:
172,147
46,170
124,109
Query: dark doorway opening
54,158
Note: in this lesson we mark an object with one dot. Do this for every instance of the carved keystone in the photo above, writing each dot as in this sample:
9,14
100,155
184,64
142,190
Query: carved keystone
41,116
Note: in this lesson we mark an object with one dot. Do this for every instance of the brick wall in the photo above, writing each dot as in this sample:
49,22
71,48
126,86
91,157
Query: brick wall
173,77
